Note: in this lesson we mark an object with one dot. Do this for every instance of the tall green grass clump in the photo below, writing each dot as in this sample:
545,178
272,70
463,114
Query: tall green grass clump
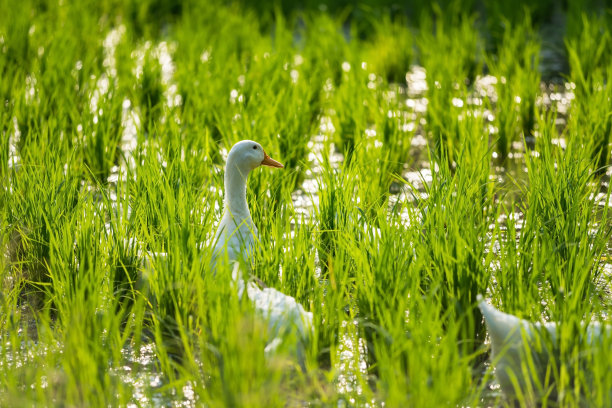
76,333
208,68
46,199
324,42
335,216
515,66
352,102
389,53
382,151
457,214
450,53
588,54
102,132
561,202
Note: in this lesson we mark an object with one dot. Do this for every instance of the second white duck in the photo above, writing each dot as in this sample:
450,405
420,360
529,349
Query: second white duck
522,350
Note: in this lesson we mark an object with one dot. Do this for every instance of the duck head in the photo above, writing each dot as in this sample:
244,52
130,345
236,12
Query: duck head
247,155
243,157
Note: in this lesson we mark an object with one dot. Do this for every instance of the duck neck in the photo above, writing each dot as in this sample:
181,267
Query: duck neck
235,192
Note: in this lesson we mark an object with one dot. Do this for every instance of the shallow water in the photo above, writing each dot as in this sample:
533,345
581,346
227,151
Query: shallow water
149,386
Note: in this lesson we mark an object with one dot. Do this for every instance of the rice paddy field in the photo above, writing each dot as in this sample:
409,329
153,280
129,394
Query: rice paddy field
432,152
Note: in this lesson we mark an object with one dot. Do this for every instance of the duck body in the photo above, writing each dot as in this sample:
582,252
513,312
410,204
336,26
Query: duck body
289,324
235,236
522,351
511,340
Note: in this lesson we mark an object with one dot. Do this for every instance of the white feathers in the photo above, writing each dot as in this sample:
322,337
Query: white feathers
288,323
522,351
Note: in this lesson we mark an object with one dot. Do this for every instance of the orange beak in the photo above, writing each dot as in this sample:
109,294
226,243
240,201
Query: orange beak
268,161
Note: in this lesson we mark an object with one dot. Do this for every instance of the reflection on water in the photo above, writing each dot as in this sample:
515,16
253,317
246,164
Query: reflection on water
140,373
13,153
351,360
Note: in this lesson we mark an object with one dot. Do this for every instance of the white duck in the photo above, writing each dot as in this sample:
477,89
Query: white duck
235,238
511,341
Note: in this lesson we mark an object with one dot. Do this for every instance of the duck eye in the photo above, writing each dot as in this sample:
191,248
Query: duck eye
254,147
